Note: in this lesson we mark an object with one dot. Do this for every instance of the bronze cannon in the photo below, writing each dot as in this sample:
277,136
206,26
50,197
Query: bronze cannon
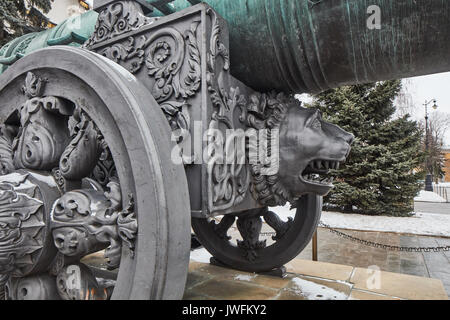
122,129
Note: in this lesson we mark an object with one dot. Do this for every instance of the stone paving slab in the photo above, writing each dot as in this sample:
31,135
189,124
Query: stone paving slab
308,280
337,250
338,256
398,285
327,270
434,207
366,295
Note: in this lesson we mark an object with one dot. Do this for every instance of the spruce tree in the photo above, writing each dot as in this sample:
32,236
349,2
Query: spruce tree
18,17
381,173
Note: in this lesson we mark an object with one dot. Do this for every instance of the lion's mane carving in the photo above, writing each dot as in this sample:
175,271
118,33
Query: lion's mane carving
267,111
308,147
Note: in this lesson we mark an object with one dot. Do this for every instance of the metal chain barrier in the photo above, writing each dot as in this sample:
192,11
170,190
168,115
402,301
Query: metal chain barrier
384,246
370,243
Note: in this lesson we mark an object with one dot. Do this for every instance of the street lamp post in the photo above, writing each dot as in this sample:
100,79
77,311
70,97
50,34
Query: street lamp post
429,176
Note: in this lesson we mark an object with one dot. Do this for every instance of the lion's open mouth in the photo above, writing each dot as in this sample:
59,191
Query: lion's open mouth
316,172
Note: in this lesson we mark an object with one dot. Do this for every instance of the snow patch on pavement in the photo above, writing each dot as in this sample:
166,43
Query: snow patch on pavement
314,291
200,255
421,223
244,277
428,196
434,224
284,212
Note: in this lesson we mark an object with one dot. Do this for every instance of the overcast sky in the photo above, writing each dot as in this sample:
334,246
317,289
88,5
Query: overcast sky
435,86
424,88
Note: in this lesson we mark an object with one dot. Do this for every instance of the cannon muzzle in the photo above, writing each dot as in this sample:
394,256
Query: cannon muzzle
312,45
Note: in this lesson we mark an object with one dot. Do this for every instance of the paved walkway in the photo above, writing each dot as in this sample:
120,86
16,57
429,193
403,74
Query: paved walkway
338,250
308,280
334,249
433,207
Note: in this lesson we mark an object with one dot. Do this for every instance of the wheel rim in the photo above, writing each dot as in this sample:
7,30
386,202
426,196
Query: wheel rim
138,136
265,258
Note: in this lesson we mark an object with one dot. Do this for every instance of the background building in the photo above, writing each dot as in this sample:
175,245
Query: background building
62,9
446,151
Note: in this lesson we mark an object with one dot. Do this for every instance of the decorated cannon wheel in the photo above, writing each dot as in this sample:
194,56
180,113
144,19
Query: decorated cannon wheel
252,253
85,167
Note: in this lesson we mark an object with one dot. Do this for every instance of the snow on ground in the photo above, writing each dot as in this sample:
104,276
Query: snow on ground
433,224
421,223
442,184
428,196
244,277
200,255
313,291
284,212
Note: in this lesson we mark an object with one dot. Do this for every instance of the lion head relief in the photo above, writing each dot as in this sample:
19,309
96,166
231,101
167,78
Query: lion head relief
308,148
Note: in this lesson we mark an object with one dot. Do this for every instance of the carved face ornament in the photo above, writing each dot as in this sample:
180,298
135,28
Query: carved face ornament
309,148
43,138
78,217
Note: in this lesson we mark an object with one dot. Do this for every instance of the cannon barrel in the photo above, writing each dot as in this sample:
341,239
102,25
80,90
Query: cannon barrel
313,45
304,45
74,31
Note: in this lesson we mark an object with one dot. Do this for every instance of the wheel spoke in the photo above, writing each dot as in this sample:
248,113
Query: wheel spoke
253,255
274,221
250,229
223,226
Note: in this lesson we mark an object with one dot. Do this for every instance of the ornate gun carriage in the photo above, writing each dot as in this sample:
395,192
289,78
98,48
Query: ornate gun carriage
119,145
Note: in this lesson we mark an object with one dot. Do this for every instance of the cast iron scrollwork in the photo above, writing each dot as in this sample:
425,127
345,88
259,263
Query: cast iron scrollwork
52,210
172,58
118,18
172,61
164,54
227,183
130,55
